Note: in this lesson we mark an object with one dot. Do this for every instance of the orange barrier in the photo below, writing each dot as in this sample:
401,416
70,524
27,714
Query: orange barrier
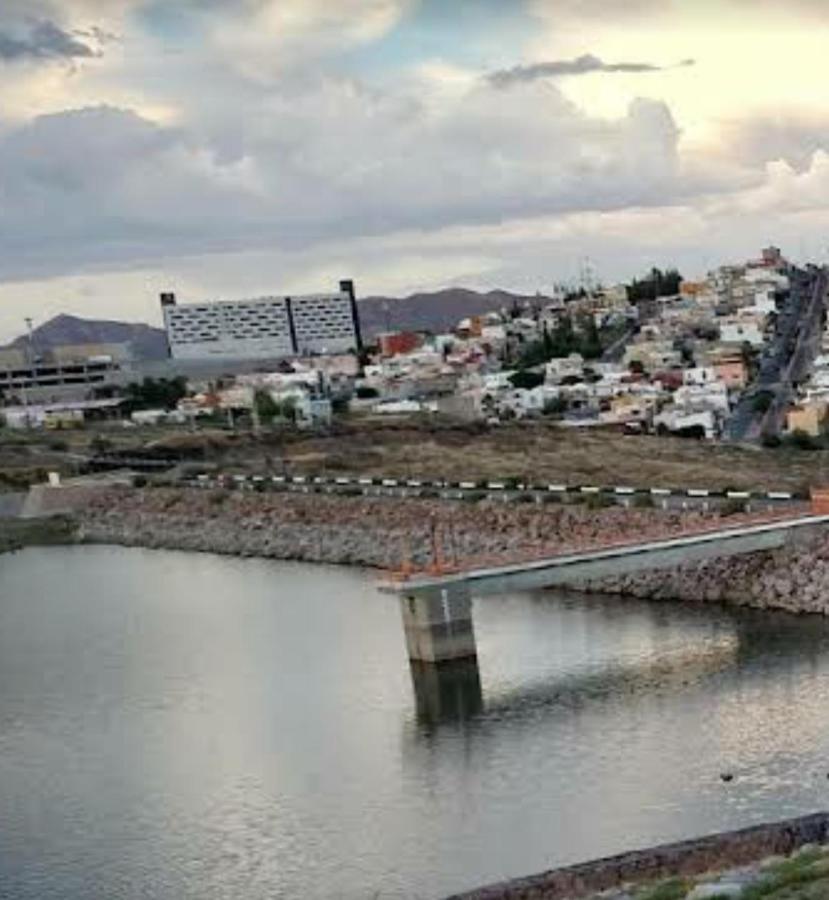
820,501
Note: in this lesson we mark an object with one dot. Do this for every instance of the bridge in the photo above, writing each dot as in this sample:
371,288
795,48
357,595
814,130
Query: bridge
437,605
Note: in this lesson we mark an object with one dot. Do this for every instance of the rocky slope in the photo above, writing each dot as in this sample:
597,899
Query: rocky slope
377,531
794,579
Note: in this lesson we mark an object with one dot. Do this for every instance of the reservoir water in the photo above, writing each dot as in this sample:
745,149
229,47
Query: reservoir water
191,727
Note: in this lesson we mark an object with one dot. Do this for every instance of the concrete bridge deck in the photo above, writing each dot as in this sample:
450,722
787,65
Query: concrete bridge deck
437,609
617,559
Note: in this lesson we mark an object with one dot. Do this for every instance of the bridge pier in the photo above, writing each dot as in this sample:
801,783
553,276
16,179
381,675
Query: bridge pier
448,691
438,623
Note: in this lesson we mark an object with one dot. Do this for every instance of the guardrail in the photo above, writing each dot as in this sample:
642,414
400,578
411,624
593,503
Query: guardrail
506,489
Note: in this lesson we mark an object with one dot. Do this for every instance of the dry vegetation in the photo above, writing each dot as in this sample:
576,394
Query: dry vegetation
533,452
539,453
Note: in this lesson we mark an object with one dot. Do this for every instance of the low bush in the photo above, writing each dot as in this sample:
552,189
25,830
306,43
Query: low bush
733,507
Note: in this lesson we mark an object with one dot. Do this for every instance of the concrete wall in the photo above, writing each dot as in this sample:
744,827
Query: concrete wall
695,857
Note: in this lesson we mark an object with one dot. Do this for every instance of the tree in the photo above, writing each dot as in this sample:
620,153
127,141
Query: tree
762,402
151,393
590,345
287,409
525,379
555,406
266,406
655,284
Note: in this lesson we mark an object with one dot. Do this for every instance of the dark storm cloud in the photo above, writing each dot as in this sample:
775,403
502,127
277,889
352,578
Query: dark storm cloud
42,40
581,65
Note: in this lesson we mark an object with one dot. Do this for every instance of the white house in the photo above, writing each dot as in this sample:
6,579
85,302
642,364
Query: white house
765,302
571,366
674,419
713,396
312,412
699,375
741,331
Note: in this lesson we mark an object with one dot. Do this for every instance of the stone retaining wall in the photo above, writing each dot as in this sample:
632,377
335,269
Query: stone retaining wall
687,858
793,579
376,531
385,531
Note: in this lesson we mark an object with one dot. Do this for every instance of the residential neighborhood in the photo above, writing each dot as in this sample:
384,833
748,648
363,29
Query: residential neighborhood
741,353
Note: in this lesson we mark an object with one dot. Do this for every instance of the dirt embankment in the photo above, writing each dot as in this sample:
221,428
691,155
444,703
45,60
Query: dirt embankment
529,451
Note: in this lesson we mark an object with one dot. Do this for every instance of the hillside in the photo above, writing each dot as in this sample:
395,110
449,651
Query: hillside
147,342
437,311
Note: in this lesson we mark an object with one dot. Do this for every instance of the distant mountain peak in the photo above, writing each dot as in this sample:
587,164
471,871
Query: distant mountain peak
64,328
435,311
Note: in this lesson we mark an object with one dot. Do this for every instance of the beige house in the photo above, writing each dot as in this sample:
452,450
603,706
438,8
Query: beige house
808,417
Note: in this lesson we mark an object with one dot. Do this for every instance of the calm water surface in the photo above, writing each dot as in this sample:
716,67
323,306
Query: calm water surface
182,726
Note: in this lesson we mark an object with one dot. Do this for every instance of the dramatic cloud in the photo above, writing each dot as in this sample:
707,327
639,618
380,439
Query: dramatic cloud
581,65
281,143
330,161
43,40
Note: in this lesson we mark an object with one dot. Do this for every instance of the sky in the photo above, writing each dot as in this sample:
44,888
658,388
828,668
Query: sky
229,148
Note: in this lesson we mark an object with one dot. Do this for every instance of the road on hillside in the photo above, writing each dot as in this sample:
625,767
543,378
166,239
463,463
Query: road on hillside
785,360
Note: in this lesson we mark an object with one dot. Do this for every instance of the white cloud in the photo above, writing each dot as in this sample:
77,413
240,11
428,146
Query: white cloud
331,160
236,146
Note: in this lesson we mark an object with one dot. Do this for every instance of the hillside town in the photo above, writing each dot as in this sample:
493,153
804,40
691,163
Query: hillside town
741,354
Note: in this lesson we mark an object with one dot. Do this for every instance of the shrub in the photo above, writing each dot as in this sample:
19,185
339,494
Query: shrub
100,444
762,401
526,379
733,507
770,440
598,501
801,440
555,406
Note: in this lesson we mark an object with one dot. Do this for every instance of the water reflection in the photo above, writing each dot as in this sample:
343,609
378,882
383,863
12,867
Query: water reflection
198,728
739,646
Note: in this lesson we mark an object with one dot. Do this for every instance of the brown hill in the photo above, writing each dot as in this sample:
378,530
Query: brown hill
436,312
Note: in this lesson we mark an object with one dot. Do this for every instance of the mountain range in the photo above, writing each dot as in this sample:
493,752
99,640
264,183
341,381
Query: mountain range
436,312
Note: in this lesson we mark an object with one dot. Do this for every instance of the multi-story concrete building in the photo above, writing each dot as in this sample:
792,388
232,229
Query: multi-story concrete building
263,328
52,383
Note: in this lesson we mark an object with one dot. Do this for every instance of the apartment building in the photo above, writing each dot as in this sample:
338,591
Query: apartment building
263,328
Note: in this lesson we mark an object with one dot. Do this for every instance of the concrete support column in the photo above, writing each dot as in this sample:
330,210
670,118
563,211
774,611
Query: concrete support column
438,623
448,691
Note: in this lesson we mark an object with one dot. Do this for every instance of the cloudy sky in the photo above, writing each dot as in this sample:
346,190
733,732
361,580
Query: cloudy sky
229,147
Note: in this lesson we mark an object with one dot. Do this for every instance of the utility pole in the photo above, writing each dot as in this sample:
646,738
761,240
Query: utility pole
30,355
31,340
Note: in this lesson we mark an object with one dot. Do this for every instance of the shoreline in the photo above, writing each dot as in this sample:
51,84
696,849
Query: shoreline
16,534
688,859
383,533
